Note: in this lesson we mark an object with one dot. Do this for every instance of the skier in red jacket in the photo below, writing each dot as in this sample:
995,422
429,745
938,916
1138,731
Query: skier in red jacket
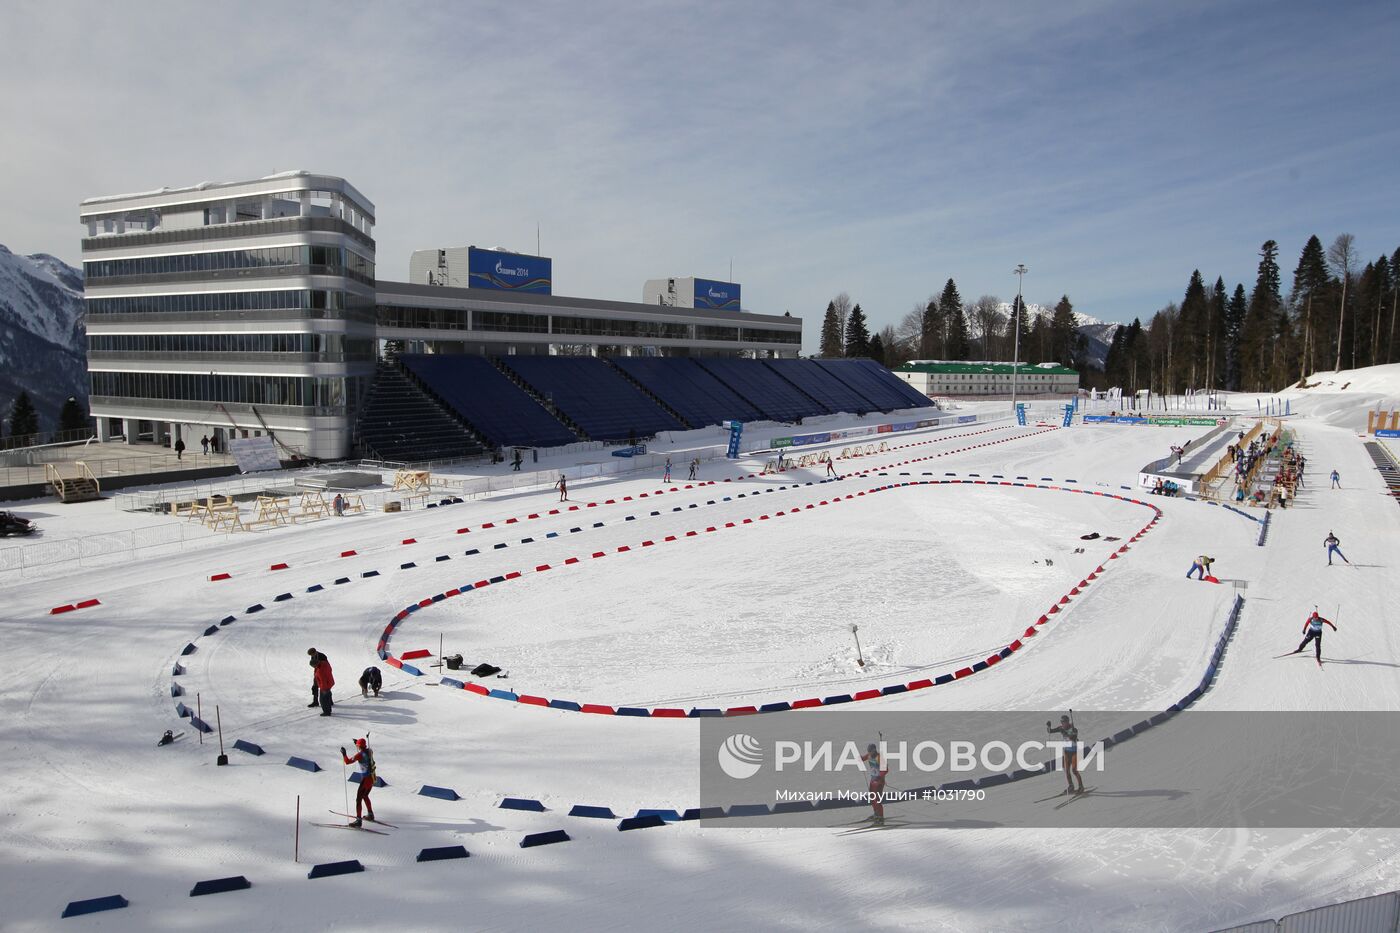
364,757
324,682
876,771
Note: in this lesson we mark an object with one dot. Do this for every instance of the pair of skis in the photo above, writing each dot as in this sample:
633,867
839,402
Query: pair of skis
361,828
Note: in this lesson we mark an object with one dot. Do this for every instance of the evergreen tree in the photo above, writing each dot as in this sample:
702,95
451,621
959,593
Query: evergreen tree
1215,332
1235,313
1064,333
1259,321
72,417
857,334
24,420
1311,287
931,339
831,333
957,329
1392,348
876,349
950,307
1190,352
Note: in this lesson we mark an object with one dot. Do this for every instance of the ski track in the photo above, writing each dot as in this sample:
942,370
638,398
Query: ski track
96,808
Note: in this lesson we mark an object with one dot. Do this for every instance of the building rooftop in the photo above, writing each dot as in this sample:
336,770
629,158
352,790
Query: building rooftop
983,368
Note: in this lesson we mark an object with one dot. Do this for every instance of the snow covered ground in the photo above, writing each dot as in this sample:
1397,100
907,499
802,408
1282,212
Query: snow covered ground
935,575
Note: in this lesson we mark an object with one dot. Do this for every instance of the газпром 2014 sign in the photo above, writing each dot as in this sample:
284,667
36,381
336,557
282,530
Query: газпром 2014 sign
718,296
514,272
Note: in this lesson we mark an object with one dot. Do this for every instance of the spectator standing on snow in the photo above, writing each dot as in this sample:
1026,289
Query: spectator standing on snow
321,672
1333,546
315,690
518,460
338,504
1336,480
1201,564
666,476
1312,630
1283,495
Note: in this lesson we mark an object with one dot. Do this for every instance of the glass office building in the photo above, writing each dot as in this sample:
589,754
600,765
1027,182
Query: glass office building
233,310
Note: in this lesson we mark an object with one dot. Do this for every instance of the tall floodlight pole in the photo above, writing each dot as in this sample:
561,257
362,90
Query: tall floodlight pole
1020,271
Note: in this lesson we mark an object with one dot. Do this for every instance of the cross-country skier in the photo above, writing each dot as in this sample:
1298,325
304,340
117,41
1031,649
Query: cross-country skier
1201,564
1336,480
831,467
1333,547
563,487
666,477
694,465
874,766
1313,632
1071,755
371,679
364,756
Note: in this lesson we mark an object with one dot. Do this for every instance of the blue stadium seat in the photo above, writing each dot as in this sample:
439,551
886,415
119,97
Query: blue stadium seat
688,388
495,407
594,395
822,386
876,383
774,396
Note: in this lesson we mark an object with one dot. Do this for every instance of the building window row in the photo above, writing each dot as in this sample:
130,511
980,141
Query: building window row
329,257
763,335
337,346
706,332
603,327
325,394
274,300
405,316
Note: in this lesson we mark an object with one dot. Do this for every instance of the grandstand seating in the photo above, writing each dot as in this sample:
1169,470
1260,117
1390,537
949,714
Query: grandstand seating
688,388
819,384
492,405
774,396
593,395
876,383
398,421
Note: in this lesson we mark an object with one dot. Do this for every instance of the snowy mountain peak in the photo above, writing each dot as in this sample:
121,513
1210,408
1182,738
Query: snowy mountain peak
43,295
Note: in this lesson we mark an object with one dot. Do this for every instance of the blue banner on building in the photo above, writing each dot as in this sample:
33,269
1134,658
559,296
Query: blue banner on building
719,296
487,268
736,432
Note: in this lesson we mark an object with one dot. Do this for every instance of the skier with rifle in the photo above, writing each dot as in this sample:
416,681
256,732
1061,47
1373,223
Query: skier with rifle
364,757
1334,546
1068,729
875,767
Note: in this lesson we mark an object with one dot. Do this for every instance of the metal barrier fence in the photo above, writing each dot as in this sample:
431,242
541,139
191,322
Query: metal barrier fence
1377,914
62,556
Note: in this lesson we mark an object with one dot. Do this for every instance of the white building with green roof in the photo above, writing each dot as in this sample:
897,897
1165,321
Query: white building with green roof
964,378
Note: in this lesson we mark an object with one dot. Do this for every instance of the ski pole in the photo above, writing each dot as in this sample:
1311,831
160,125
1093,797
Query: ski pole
199,711
345,785
296,835
222,759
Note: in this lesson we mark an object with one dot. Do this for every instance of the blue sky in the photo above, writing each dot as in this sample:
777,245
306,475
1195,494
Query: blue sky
877,149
